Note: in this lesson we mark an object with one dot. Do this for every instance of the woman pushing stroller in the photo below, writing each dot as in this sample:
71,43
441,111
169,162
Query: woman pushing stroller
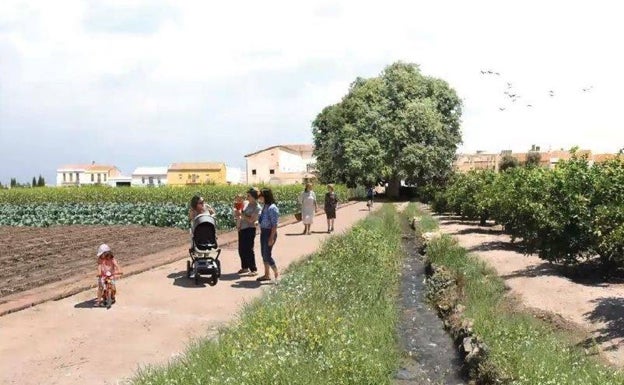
199,206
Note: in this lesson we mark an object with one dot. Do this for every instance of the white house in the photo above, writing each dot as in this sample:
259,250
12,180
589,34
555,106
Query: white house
149,176
85,174
281,164
234,175
119,181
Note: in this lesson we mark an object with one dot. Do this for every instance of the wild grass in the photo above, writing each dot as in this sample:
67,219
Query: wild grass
526,350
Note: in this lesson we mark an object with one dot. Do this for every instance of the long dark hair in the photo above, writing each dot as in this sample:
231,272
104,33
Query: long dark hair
268,196
195,200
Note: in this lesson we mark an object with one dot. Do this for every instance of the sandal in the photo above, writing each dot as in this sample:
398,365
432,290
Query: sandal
242,271
263,278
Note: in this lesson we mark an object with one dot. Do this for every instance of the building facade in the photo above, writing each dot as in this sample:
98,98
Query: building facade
281,164
81,174
181,174
149,176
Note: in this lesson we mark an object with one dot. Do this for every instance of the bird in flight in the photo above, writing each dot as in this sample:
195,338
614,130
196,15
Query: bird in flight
529,105
501,108
551,93
587,88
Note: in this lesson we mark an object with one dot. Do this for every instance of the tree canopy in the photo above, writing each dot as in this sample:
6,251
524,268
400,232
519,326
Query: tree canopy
400,125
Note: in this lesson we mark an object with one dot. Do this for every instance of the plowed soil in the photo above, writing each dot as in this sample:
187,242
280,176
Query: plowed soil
31,257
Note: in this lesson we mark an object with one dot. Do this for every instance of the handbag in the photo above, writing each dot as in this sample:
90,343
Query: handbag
298,216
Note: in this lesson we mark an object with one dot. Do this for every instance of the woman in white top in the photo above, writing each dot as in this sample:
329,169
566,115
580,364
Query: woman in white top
309,206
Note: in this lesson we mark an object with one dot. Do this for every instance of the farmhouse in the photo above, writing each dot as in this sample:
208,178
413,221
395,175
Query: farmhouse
281,164
180,174
149,176
85,174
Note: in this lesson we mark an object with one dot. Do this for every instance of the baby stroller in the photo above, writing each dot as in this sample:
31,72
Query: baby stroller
204,251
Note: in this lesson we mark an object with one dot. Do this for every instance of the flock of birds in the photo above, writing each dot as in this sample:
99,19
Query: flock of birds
510,94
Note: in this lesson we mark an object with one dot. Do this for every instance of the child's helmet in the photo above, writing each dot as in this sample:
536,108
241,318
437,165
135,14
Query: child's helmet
104,248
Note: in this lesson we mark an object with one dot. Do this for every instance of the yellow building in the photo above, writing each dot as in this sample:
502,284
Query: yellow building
180,174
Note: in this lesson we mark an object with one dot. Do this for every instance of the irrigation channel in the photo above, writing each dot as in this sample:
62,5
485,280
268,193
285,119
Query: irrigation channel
429,355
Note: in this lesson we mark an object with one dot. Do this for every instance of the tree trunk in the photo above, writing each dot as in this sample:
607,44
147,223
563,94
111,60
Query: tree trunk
393,189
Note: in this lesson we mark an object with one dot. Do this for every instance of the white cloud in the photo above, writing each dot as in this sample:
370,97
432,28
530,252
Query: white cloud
153,74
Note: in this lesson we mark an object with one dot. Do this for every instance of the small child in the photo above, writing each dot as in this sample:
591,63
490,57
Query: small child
106,263
239,205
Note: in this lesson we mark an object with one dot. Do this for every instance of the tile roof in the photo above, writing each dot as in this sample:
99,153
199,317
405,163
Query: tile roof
302,148
197,166
599,158
100,167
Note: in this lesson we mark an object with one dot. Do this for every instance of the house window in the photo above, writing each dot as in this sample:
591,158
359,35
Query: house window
253,172
104,177
143,180
180,176
92,177
151,180
158,180
271,171
99,178
64,177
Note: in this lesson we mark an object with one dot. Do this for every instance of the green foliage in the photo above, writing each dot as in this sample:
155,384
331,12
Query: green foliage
507,162
399,125
565,215
533,159
101,205
470,194
165,194
331,320
608,212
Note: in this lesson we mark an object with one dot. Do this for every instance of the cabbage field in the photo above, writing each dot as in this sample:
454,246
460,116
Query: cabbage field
163,206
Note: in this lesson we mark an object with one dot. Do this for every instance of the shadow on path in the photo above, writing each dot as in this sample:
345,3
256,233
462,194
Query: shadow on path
609,311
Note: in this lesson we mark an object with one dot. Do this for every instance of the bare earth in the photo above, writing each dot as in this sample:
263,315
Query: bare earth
596,307
157,314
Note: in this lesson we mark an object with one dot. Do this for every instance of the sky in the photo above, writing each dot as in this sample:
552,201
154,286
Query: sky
152,82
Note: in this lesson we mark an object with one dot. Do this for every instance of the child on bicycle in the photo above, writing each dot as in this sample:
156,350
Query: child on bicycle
106,264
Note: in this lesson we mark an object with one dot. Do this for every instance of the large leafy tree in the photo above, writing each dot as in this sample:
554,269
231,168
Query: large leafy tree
400,125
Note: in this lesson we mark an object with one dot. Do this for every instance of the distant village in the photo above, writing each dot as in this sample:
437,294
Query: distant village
279,164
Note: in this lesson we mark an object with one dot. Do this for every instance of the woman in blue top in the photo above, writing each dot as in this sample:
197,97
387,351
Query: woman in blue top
268,232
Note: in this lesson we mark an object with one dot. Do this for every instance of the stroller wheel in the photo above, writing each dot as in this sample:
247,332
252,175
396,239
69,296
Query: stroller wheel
188,269
214,278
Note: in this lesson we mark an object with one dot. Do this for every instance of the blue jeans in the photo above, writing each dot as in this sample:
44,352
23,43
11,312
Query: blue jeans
265,249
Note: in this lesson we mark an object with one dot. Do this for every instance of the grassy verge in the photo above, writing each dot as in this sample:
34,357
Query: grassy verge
426,222
522,349
332,320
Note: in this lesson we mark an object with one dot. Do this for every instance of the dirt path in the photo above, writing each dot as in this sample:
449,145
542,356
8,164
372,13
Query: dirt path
596,307
157,314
